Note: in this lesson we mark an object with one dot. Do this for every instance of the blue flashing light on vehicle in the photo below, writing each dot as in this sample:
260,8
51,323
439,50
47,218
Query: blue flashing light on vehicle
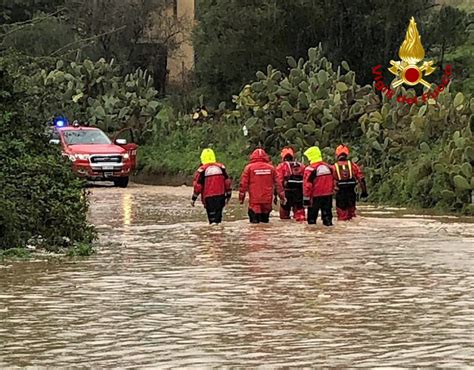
60,122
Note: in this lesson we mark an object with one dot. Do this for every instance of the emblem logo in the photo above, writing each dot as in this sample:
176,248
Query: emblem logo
411,53
408,71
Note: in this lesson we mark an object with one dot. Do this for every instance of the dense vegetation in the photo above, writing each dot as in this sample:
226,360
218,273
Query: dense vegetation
364,33
41,202
420,154
176,152
94,61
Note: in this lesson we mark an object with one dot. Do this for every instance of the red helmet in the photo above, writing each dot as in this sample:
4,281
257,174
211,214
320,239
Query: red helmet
342,149
287,151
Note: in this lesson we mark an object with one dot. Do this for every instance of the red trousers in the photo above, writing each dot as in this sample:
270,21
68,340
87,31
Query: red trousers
261,207
346,203
346,214
298,213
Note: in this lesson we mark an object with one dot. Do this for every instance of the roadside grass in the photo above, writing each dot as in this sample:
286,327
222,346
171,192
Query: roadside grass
15,254
25,254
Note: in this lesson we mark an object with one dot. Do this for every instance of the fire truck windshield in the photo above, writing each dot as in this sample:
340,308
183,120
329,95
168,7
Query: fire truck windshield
75,137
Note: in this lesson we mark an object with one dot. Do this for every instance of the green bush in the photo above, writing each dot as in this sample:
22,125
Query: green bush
81,250
14,254
178,152
41,202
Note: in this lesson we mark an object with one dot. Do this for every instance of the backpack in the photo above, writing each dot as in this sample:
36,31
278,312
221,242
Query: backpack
344,174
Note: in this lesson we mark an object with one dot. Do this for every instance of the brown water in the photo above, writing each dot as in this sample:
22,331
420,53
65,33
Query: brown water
166,289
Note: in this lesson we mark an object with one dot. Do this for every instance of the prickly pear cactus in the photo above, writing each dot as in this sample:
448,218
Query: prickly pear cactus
420,154
423,154
453,170
96,92
310,105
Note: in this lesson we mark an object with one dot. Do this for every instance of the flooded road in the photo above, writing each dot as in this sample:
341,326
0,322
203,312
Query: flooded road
166,289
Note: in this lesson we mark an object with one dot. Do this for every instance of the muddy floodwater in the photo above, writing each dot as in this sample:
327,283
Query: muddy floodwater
391,288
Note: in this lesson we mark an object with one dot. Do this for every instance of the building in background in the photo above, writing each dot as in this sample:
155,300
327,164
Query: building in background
181,61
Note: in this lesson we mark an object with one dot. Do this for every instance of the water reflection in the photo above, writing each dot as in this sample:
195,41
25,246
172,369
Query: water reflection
127,207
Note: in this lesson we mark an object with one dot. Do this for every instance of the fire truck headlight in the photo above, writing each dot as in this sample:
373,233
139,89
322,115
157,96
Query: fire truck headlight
126,156
82,157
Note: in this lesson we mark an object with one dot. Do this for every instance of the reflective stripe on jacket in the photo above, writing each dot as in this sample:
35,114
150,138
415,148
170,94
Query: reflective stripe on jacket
318,180
347,173
211,180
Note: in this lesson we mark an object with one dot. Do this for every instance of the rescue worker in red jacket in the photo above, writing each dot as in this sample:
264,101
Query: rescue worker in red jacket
318,187
213,184
259,178
290,174
346,176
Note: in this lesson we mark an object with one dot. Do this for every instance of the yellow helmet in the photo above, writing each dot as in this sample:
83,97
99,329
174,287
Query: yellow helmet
208,156
313,154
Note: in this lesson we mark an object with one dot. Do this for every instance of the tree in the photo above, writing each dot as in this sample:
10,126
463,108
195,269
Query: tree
447,30
364,33
232,40
14,11
367,33
42,36
34,27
